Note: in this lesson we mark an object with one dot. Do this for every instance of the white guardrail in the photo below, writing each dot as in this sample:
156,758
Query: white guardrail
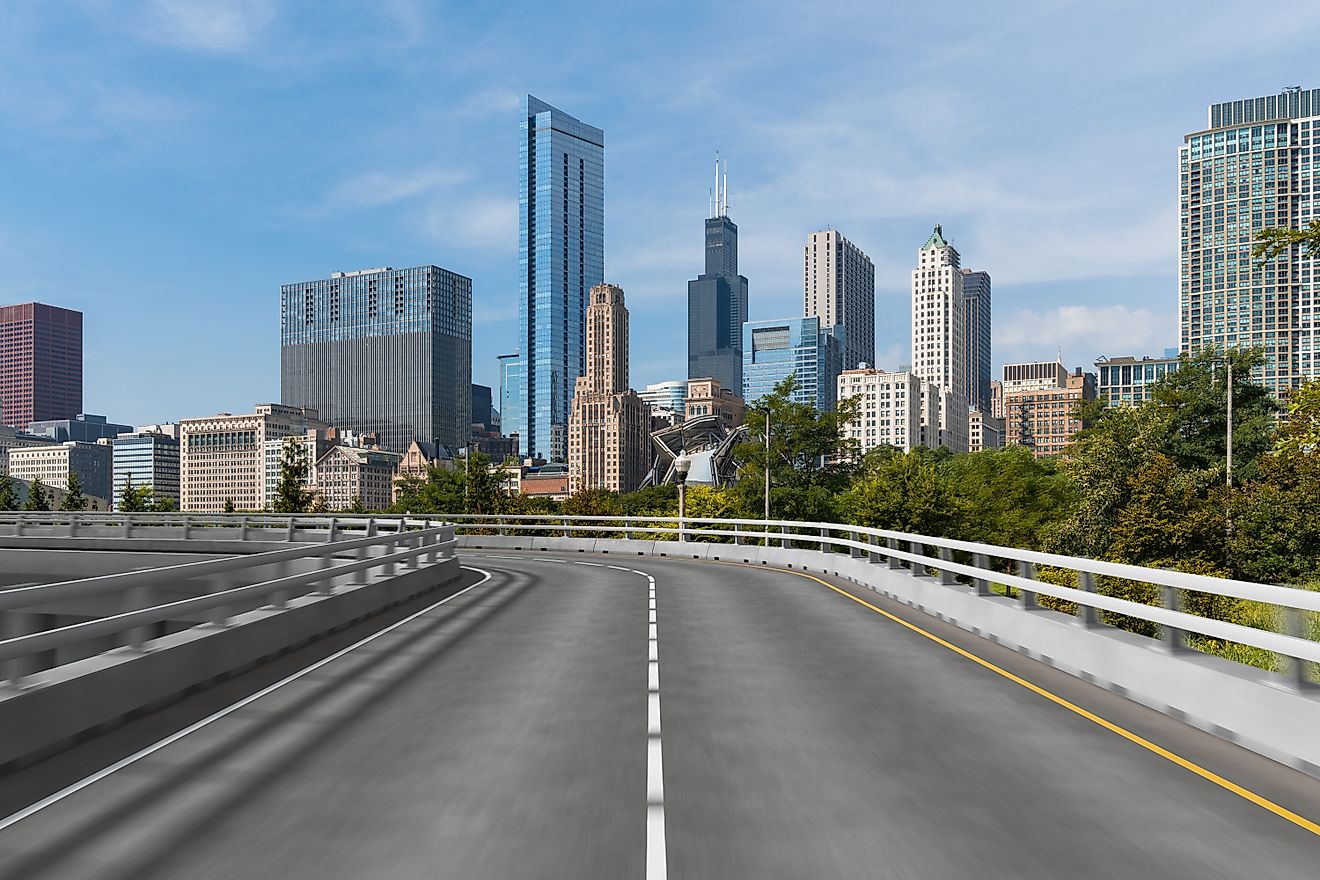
978,566
332,546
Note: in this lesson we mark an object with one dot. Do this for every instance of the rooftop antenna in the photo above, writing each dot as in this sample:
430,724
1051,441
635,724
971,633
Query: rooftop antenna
727,201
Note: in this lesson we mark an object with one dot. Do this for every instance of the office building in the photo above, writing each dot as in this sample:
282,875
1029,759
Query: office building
945,419
54,462
387,351
348,475
85,429
41,363
1046,419
609,427
797,347
668,399
706,397
1034,376
839,288
1128,380
169,429
717,299
976,306
145,459
483,410
223,458
984,431
561,256
888,407
1254,167
939,317
997,398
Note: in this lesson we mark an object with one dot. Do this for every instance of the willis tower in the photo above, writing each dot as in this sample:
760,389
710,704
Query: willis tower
717,299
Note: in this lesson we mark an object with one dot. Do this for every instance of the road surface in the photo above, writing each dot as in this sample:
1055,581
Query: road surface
519,729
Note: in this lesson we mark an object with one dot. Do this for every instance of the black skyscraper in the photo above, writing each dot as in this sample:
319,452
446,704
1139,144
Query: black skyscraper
717,303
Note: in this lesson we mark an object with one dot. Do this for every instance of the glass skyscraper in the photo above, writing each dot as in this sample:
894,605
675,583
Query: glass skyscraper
798,347
561,256
976,303
717,302
384,350
1256,166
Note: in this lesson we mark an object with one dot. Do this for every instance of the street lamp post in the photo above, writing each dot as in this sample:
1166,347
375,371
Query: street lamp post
682,465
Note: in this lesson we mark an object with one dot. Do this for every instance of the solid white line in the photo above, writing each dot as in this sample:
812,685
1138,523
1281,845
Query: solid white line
78,786
656,857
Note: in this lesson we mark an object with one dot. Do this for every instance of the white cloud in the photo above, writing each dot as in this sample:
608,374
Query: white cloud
1082,333
211,25
377,188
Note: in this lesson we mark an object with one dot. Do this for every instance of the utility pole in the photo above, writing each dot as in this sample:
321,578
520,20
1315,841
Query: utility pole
1229,468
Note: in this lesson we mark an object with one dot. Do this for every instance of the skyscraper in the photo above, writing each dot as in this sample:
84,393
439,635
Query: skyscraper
939,320
384,350
839,288
561,256
717,299
41,363
976,305
609,426
1251,169
798,347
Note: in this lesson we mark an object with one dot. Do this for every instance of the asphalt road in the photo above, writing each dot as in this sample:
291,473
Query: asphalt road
516,731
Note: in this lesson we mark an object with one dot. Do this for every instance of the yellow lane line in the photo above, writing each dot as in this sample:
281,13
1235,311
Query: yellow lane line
1228,785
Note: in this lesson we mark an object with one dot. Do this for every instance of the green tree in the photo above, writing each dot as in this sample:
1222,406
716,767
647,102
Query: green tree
1008,496
1195,402
592,502
292,492
1273,243
651,501
357,506
37,498
484,493
229,505
809,458
73,497
903,492
441,491
8,497
164,503
1301,432
135,499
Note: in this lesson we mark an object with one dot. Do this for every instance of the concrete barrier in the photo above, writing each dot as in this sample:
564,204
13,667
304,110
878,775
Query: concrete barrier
74,699
1261,711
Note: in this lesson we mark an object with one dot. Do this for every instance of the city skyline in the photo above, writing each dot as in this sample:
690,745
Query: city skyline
162,156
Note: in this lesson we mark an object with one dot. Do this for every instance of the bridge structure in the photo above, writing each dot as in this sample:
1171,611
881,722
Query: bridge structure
548,696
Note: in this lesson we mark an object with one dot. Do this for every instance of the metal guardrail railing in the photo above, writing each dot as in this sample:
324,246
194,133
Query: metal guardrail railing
949,560
212,526
381,546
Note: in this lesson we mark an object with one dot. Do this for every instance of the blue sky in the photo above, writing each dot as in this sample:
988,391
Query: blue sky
166,165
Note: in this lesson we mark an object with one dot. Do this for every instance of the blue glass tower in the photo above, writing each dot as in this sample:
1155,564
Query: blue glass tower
561,256
798,347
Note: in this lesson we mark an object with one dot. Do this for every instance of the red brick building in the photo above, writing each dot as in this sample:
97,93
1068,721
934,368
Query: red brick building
41,363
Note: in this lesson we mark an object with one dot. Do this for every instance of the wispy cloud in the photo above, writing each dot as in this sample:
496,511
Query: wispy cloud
376,188
209,25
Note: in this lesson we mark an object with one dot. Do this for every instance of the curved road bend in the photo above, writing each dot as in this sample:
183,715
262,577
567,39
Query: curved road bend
513,732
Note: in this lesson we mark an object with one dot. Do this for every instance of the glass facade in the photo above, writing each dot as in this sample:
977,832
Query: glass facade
561,256
383,350
717,308
775,350
146,460
1255,168
1126,380
976,303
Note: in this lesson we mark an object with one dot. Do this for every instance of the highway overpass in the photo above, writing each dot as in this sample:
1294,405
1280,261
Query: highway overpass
631,714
